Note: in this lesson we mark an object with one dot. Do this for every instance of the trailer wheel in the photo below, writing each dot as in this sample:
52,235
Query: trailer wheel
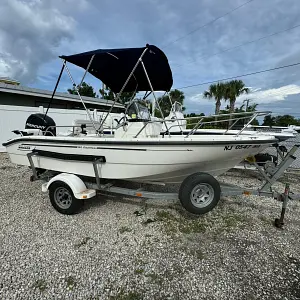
62,198
199,193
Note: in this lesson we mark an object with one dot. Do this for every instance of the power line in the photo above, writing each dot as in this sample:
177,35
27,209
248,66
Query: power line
239,76
243,44
210,22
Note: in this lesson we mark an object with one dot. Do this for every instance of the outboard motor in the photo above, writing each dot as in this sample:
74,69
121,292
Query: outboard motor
42,122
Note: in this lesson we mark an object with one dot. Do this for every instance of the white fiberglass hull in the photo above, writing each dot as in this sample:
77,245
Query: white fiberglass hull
169,159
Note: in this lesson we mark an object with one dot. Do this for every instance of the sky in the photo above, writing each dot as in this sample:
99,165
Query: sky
33,33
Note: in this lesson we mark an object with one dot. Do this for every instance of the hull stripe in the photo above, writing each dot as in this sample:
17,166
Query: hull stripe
66,156
139,143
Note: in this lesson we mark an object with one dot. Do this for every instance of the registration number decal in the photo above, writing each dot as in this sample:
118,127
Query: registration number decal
238,147
24,148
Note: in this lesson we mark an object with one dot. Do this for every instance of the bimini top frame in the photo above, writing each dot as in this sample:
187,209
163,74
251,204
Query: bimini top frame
123,70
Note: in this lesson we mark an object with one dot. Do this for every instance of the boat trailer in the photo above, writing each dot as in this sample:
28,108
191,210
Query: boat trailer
199,193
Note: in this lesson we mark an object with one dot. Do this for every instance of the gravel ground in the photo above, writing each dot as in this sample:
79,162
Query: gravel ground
124,249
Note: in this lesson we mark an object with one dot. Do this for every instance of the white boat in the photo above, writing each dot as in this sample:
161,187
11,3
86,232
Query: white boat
168,159
136,151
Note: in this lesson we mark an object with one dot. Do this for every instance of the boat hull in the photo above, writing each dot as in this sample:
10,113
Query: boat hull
169,161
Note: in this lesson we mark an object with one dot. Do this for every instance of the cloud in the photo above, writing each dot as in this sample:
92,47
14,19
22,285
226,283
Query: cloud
46,29
271,95
197,97
29,33
265,98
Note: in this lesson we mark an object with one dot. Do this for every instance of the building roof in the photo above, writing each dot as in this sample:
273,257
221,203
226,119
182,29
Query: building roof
9,80
18,89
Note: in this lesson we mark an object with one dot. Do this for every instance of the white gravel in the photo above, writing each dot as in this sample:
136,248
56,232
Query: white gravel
108,252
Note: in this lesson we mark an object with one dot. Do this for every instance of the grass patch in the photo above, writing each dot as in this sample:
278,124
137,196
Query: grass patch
6,167
177,224
233,221
140,262
265,219
148,221
40,284
71,282
132,295
163,215
169,220
124,229
197,253
154,278
195,226
138,271
174,224
82,243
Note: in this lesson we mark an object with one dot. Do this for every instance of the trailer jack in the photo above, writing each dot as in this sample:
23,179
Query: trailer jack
279,222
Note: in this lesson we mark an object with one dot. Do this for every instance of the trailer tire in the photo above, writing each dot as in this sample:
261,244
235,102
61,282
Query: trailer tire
199,193
63,200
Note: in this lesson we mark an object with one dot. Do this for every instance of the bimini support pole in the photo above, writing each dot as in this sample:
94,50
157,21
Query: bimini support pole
56,85
122,89
76,89
155,100
86,70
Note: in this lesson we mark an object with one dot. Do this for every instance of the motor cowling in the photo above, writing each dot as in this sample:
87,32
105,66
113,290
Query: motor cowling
42,122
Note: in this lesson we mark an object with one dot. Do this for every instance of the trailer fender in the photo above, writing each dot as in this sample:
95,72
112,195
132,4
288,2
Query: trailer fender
77,186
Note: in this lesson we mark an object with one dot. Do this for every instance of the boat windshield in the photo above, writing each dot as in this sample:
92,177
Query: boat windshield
138,111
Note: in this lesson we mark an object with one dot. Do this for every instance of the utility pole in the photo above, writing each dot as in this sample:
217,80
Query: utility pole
247,100
247,105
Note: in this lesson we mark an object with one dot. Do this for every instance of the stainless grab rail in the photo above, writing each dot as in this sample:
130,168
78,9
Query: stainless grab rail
200,122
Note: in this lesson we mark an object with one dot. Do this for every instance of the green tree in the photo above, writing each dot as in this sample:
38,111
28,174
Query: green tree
234,89
252,107
286,120
241,109
269,121
165,104
190,123
108,94
84,90
216,91
191,115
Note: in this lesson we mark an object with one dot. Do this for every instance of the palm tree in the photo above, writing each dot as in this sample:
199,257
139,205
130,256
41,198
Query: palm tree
234,89
216,91
252,107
